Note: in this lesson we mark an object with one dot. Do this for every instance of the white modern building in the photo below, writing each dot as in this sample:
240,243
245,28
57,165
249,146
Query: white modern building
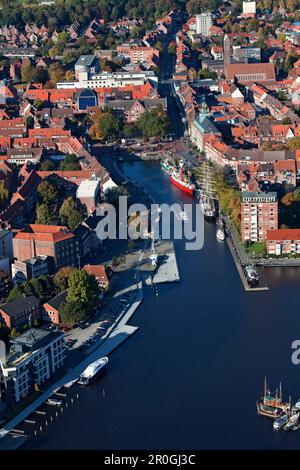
110,79
34,357
88,193
249,7
203,23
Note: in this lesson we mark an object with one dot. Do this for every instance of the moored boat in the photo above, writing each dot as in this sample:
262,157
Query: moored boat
177,180
268,411
272,406
292,422
92,371
167,165
54,401
251,275
280,422
220,234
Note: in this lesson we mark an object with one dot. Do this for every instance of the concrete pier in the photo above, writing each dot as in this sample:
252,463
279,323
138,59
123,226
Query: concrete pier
241,271
167,268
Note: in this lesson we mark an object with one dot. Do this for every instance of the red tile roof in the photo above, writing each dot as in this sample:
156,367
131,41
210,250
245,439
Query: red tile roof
96,270
283,234
47,233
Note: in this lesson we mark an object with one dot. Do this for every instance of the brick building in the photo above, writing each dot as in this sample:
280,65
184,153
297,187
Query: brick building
51,308
283,242
19,312
259,213
100,274
54,241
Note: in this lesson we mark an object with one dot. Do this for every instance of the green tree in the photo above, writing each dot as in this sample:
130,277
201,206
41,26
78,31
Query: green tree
69,214
75,218
4,194
83,288
26,72
172,48
38,104
159,45
70,163
66,208
47,192
105,125
13,333
56,73
153,123
14,293
48,165
72,312
61,278
43,215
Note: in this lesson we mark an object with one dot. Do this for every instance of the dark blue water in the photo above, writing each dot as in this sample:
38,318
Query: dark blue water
190,377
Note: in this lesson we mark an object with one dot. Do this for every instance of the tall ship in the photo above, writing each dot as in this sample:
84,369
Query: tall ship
181,180
93,371
272,406
207,196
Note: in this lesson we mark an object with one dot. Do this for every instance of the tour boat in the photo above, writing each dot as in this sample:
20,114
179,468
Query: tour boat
92,371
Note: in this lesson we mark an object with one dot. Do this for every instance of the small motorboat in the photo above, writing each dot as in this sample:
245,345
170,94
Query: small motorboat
54,401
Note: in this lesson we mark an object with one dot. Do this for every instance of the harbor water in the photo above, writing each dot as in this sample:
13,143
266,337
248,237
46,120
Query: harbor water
190,377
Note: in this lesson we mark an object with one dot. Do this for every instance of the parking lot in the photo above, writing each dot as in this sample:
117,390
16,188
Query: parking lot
86,335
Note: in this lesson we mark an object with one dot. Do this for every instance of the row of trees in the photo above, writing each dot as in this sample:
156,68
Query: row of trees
106,125
229,200
82,298
69,213
54,73
66,12
82,293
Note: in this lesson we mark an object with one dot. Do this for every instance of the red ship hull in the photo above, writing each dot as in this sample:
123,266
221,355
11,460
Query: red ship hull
181,186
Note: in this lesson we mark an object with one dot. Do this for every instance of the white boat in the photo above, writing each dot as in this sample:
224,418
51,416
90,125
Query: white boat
297,405
220,234
292,422
92,371
54,401
71,383
251,274
280,422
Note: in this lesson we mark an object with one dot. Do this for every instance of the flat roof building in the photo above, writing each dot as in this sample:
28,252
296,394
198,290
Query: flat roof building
34,357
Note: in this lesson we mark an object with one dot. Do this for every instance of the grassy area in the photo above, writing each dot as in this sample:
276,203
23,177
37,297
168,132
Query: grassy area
20,407
255,249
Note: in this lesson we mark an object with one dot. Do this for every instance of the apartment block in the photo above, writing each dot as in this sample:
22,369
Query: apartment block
283,242
259,213
34,356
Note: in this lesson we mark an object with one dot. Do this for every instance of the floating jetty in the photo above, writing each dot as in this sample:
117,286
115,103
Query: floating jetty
241,271
166,269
